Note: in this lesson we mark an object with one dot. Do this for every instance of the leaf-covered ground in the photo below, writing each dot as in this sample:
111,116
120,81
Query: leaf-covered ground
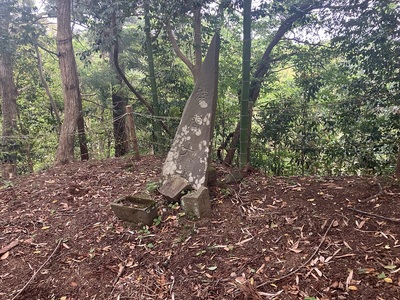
268,238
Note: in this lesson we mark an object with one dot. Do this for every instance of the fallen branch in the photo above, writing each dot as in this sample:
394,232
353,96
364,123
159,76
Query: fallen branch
374,215
302,265
9,246
38,270
121,270
381,191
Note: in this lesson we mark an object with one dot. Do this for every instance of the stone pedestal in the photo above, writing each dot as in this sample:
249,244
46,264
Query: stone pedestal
197,204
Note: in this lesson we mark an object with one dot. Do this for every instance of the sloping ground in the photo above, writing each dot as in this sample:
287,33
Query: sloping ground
268,238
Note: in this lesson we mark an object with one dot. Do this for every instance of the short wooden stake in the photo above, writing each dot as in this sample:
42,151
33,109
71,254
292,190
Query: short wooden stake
130,124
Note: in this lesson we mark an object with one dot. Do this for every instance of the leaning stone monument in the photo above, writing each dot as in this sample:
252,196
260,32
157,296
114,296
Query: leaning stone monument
187,162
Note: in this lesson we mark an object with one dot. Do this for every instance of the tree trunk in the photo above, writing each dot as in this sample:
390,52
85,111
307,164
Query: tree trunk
8,96
264,66
244,107
398,164
47,89
120,136
196,66
70,83
157,143
118,100
82,136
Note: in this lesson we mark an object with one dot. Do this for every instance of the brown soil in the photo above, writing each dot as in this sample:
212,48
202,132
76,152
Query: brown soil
268,238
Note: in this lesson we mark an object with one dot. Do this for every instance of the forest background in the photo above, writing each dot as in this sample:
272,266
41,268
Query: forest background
323,94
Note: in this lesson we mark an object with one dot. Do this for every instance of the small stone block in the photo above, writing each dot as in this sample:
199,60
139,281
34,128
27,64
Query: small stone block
197,203
173,187
135,209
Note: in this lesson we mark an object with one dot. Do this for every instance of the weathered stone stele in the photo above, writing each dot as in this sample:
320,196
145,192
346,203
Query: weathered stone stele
189,155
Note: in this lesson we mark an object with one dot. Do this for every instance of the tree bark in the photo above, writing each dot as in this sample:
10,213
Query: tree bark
135,92
70,83
398,164
157,136
120,136
8,95
245,123
196,66
119,102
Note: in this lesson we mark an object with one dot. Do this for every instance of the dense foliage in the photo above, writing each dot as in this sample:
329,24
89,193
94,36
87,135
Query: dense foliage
328,73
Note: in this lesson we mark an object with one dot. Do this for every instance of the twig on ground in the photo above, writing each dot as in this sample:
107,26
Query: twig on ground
9,246
38,270
374,215
121,270
375,195
302,265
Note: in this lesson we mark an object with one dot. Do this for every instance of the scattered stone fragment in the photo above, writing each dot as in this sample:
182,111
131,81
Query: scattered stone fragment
174,186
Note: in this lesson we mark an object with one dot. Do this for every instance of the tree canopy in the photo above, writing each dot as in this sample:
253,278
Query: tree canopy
323,88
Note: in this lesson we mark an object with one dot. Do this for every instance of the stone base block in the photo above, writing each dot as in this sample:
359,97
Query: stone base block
197,204
137,209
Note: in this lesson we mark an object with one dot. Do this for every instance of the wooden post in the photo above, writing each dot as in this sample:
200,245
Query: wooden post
131,131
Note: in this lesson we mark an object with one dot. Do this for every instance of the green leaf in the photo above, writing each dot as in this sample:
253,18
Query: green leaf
382,275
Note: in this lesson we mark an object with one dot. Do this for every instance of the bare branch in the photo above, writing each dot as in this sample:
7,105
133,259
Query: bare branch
177,50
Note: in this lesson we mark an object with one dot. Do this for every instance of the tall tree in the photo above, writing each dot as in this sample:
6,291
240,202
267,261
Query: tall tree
292,14
119,101
245,96
152,77
8,92
70,84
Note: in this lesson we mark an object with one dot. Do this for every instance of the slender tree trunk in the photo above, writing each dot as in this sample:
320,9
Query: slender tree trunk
119,102
120,136
47,89
398,164
264,67
70,83
197,40
157,144
136,93
244,108
196,66
8,96
82,135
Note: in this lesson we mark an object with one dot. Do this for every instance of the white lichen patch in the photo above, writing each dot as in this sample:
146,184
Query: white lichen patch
196,131
207,119
203,104
203,146
185,130
197,119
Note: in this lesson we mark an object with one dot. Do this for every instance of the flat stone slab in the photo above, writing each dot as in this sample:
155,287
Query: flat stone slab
173,187
197,204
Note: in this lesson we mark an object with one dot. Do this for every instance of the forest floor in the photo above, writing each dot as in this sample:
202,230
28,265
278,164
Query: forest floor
268,238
